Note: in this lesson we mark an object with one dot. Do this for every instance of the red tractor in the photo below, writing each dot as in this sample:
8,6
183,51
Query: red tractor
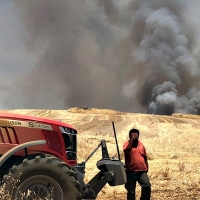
39,156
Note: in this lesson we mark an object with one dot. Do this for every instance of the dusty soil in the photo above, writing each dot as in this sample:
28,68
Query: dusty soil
172,144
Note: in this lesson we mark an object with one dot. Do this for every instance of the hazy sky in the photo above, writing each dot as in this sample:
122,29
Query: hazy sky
131,55
14,57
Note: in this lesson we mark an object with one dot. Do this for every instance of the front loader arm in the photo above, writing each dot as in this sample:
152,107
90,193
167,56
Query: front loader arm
112,171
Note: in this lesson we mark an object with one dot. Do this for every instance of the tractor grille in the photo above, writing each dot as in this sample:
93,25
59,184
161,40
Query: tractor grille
71,155
69,137
67,130
8,135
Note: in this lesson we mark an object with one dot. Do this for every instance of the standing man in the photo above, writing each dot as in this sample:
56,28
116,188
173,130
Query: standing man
136,167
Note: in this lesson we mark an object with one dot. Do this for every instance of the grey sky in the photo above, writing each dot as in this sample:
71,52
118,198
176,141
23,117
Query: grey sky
13,55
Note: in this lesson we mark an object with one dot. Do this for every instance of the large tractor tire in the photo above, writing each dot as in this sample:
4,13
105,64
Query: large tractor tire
42,177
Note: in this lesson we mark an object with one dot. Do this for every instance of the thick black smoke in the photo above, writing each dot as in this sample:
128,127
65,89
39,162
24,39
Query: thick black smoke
135,56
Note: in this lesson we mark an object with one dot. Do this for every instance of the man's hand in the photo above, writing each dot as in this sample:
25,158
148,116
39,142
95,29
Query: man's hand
134,136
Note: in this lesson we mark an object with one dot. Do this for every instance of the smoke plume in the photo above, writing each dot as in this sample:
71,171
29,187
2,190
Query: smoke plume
134,56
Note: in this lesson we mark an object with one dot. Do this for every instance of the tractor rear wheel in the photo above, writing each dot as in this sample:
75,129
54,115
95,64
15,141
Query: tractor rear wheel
43,177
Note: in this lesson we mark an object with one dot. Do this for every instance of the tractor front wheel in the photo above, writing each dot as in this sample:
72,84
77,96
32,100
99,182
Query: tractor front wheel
42,177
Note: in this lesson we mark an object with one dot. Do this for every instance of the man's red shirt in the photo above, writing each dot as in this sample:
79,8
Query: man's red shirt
134,160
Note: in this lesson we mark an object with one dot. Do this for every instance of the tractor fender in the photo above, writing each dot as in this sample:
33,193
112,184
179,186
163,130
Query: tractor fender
13,150
80,177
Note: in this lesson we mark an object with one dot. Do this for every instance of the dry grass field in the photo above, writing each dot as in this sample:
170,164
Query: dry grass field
172,144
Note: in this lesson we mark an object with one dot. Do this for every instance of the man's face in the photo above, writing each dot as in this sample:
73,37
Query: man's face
134,135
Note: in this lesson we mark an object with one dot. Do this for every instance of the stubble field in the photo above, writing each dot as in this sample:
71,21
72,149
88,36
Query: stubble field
172,144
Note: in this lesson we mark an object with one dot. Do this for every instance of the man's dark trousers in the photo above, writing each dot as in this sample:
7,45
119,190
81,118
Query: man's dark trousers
143,180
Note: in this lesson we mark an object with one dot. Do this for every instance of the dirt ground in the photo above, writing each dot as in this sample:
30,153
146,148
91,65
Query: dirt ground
172,144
